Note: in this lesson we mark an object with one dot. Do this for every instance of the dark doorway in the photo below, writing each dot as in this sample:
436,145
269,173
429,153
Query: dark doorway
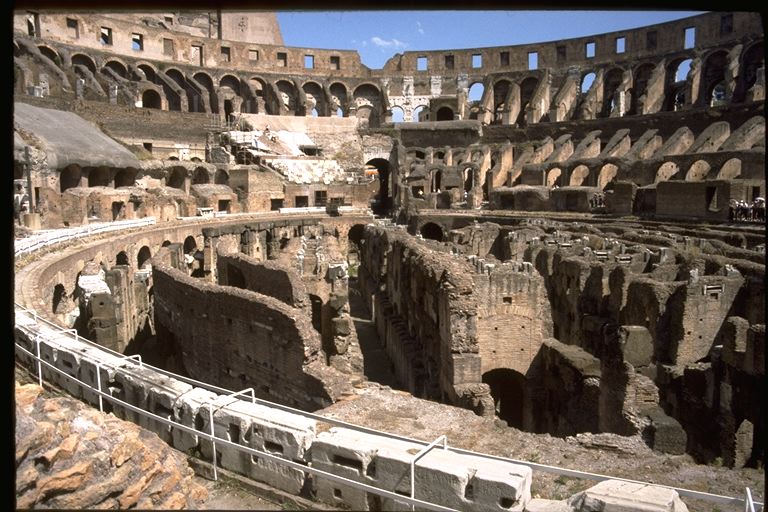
432,231
508,392
382,202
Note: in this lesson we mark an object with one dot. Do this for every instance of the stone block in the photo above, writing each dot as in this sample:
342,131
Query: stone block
620,496
637,345
539,505
664,433
190,411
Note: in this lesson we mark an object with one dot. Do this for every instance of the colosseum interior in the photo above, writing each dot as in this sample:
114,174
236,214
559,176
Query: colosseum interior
559,269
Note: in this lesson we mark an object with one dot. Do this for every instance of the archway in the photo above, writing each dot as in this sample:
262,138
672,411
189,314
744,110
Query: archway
221,177
149,72
730,170
383,201
117,67
50,53
698,171
144,257
98,177
586,82
151,99
527,90
578,175
200,177
508,392
444,114
189,244
666,171
419,114
84,60
432,231
125,178
606,176
553,177
397,115
70,177
176,178
122,258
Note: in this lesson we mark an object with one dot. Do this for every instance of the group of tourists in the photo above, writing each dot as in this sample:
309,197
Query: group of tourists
597,200
742,211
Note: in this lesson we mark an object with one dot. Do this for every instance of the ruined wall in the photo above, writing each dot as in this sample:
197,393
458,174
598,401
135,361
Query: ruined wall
266,278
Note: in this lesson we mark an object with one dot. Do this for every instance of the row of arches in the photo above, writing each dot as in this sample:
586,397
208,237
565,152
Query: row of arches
75,176
699,170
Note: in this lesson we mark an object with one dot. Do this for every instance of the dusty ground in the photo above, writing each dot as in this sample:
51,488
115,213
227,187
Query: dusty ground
382,408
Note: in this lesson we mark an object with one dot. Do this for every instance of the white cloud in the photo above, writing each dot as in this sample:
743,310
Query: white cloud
388,43
419,29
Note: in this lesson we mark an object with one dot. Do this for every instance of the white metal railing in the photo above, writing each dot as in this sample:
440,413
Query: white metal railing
39,241
246,449
715,498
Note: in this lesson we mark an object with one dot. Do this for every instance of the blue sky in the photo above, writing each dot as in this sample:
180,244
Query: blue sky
378,35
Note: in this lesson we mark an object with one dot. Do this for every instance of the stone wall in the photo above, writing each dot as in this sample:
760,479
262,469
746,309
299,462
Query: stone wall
266,278
237,338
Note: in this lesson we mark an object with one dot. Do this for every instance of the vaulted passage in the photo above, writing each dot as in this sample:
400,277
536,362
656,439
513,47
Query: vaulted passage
508,392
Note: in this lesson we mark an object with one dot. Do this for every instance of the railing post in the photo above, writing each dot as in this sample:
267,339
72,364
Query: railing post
39,364
213,443
98,382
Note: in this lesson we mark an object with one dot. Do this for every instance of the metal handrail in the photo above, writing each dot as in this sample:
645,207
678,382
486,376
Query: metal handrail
252,451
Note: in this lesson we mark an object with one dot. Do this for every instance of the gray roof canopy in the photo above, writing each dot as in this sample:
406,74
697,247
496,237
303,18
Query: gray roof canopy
69,139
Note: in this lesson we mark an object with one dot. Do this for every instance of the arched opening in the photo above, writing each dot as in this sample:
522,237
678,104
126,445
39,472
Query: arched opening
338,98
717,96
640,78
527,90
355,237
235,277
70,177
59,299
607,175
144,257
117,67
553,177
432,231
611,84
194,103
666,171
84,60
231,82
713,78
50,53
474,97
166,243
176,178
200,177
468,177
221,177
508,392
189,245
382,201
228,109
98,177
317,312
437,180
681,71
122,258
698,171
367,98
151,99
586,82
730,170
397,115
204,80
578,175
501,90
444,114
487,184
125,178
752,60
315,99
420,113
149,72
287,94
